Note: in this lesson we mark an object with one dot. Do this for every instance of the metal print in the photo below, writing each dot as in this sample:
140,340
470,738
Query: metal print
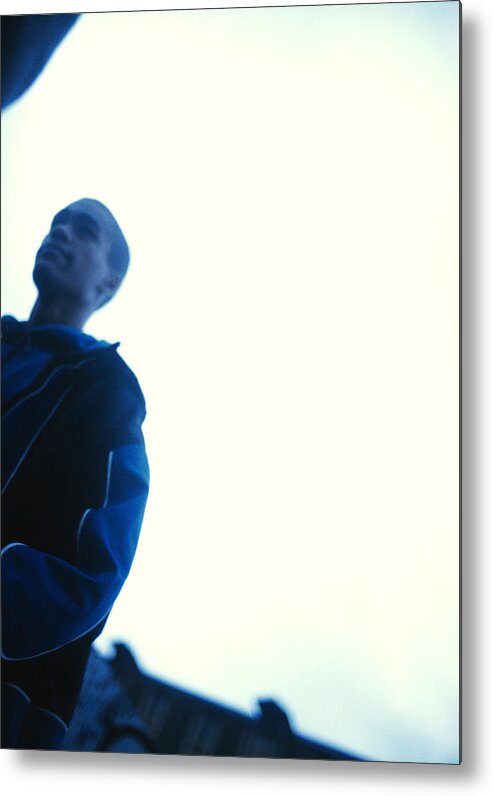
236,532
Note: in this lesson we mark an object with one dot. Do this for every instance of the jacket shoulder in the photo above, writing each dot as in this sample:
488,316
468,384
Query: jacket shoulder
120,373
107,379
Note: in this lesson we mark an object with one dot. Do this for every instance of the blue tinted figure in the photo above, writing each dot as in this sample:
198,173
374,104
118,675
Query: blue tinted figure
74,476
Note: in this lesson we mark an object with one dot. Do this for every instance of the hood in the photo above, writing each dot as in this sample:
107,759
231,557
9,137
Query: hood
53,337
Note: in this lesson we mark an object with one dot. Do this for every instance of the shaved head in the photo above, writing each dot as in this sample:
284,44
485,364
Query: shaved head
119,254
81,262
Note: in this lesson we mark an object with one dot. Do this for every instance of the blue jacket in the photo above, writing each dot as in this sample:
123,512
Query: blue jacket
74,487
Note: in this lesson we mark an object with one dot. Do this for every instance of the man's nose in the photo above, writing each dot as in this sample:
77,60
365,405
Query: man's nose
62,232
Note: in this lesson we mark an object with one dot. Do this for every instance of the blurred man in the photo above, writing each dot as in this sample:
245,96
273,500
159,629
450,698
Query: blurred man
74,476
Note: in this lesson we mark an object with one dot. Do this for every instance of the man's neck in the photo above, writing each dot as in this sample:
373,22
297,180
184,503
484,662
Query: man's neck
60,313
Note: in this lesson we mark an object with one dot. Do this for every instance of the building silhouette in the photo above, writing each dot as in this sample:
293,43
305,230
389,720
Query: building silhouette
122,709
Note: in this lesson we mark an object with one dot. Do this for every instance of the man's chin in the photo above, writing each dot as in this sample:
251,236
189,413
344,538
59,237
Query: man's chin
45,274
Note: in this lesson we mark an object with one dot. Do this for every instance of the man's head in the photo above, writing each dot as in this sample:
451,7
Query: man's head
84,257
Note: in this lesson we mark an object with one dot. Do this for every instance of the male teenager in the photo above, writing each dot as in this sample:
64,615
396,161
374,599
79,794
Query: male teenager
74,476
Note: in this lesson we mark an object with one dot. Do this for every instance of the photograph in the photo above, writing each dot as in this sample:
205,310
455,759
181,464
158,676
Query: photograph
231,381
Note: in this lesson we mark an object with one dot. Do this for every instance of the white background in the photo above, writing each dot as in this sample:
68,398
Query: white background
300,540
215,775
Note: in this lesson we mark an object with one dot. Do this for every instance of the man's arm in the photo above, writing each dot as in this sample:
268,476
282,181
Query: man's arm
47,602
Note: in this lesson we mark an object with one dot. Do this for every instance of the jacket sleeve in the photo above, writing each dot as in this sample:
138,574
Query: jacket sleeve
48,602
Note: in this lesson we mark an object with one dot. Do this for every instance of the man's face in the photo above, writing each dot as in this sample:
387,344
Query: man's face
72,262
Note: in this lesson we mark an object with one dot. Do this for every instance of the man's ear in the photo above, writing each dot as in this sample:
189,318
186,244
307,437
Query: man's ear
111,283
107,288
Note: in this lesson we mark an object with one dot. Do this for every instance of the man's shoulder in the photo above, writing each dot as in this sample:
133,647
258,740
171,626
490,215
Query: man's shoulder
104,396
111,373
120,371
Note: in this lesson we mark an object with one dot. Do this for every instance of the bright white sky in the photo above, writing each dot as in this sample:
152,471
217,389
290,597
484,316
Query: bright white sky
288,182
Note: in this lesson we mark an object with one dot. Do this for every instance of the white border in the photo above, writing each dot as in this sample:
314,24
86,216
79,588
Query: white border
59,773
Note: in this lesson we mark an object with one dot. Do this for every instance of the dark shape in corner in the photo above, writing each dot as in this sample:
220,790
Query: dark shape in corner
28,43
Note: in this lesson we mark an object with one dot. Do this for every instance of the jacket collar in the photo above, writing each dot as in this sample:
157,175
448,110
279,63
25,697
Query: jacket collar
57,338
